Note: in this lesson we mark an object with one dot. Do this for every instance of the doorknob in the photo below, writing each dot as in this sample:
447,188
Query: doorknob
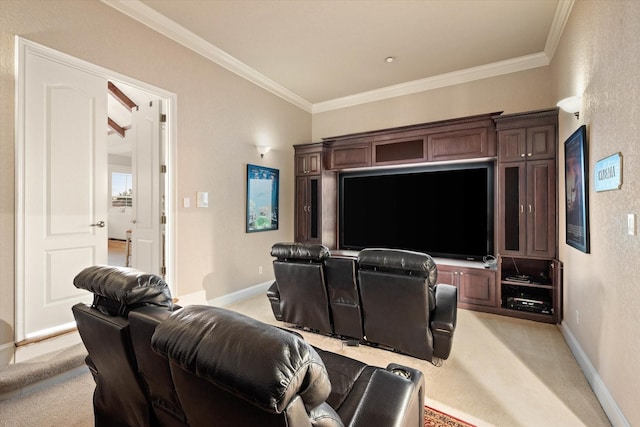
99,224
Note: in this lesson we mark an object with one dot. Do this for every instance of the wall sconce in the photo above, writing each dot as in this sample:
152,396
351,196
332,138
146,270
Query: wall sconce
263,149
571,105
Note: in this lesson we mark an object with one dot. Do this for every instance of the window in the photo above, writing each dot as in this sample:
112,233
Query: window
121,189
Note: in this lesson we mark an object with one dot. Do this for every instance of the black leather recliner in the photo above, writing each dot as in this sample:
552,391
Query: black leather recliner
121,394
301,285
231,370
403,306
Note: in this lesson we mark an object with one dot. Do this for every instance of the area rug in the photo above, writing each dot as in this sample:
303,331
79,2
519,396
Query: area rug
435,418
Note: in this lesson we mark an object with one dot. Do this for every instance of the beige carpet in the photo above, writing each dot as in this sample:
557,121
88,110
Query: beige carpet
502,372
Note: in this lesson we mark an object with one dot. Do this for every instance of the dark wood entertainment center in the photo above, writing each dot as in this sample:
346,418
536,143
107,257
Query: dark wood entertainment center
526,281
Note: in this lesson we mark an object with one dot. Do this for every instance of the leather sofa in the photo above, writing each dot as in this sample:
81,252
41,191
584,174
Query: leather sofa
387,298
157,364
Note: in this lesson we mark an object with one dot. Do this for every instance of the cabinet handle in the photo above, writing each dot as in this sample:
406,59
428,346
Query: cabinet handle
529,154
522,155
521,208
530,209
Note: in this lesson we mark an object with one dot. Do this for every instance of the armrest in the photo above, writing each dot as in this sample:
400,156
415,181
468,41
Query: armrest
393,397
445,314
273,292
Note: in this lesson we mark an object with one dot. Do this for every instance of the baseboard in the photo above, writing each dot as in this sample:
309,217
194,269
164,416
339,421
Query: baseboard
30,351
607,401
241,295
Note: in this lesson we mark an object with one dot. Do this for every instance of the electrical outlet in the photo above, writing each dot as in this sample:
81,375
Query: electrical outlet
260,270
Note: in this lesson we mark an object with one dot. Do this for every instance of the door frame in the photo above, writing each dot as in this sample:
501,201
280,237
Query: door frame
169,100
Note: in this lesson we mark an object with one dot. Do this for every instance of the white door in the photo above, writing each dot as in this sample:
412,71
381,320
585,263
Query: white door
146,243
62,189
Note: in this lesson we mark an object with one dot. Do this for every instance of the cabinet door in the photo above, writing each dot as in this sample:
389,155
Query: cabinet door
459,145
511,145
308,163
447,275
511,210
308,209
541,208
302,219
541,142
351,156
477,287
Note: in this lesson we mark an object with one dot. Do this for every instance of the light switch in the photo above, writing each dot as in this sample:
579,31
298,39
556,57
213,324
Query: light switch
203,199
186,202
631,224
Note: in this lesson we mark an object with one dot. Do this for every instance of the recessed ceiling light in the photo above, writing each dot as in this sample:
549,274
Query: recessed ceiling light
389,59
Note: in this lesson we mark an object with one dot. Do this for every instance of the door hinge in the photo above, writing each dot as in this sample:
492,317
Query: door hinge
163,219
163,118
163,270
163,168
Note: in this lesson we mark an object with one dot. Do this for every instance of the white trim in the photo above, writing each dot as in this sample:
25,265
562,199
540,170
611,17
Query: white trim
449,79
557,26
605,398
22,47
240,295
160,23
156,21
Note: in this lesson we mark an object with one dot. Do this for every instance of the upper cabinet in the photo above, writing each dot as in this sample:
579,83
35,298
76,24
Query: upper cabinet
456,139
309,161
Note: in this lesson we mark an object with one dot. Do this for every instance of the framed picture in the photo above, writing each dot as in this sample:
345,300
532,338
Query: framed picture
577,195
262,198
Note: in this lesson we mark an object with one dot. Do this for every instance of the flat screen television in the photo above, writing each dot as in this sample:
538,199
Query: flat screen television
444,210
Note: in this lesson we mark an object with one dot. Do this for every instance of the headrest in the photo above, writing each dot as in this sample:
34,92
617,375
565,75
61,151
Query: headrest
260,363
399,259
128,287
299,251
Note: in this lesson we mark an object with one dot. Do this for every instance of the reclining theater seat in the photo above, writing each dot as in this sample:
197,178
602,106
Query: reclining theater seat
120,397
402,306
231,370
300,280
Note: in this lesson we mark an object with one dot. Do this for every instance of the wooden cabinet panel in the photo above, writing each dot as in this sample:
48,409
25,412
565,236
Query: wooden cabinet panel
511,145
541,208
308,163
541,142
351,156
458,145
399,151
475,286
478,287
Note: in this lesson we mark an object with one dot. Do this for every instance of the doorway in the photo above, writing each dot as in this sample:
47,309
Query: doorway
61,227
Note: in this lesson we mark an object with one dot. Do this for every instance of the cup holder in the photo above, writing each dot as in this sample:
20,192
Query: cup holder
401,373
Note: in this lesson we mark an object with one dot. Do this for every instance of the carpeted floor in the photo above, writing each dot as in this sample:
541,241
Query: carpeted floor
502,372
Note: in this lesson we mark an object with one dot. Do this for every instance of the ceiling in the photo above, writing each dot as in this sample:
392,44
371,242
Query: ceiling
327,54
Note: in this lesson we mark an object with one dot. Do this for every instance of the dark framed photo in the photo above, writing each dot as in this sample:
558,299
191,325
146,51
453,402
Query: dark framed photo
262,198
577,194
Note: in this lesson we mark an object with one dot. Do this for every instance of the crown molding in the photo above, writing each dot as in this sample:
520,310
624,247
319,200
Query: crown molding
160,23
449,79
557,26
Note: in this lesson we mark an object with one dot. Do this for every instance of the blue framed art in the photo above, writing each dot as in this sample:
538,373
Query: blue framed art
262,198
576,190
